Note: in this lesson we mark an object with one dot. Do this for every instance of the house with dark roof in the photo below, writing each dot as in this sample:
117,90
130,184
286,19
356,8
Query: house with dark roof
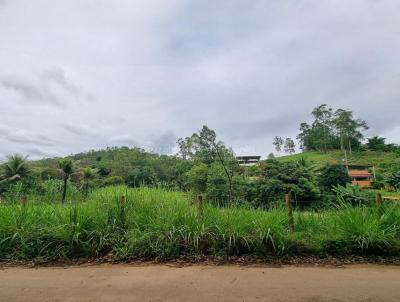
248,160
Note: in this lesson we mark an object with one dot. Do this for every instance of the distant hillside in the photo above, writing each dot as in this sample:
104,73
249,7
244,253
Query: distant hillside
383,161
125,158
121,164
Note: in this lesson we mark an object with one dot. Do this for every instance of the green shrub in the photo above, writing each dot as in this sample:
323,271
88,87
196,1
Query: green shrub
277,178
333,175
353,195
113,181
197,178
393,180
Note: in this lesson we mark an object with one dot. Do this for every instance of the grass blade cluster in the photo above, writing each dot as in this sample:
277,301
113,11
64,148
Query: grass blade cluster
145,223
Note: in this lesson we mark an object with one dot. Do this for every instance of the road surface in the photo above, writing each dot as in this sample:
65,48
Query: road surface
367,283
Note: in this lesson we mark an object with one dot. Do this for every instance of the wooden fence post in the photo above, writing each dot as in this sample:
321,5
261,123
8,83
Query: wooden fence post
288,200
24,201
200,206
379,200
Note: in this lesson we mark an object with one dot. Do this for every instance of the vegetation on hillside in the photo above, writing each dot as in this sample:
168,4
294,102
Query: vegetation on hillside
205,166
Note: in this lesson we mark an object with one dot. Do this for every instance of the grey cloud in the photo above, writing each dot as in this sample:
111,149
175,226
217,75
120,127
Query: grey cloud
38,153
40,90
248,69
57,75
258,129
3,130
29,91
24,141
77,130
124,140
164,143
20,137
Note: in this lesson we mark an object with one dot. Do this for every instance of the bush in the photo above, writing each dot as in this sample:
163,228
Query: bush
394,180
332,176
197,178
113,181
217,185
141,176
379,182
353,195
277,178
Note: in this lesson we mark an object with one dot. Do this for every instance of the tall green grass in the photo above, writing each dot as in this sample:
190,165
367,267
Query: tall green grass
157,224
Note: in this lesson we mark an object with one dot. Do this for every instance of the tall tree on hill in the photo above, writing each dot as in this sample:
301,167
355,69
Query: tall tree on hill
278,143
304,137
331,130
323,121
348,128
289,146
66,168
185,148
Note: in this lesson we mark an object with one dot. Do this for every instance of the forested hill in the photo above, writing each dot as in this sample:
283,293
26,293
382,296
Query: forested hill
117,165
383,161
120,164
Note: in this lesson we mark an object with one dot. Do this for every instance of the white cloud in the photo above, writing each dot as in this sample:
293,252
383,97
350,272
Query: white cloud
87,74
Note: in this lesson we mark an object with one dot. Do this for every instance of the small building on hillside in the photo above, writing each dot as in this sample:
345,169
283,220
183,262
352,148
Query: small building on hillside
361,176
248,160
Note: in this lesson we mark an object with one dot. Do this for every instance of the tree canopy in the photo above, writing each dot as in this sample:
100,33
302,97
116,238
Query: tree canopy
331,130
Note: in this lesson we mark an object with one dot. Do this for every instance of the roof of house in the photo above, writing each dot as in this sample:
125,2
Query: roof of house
248,157
359,173
359,166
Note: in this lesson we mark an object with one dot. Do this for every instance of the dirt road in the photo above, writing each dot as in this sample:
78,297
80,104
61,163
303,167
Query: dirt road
200,283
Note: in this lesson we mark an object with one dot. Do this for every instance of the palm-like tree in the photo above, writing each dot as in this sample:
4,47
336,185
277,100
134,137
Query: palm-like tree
88,175
66,168
15,168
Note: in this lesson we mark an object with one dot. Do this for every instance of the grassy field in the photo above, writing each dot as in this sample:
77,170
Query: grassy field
155,224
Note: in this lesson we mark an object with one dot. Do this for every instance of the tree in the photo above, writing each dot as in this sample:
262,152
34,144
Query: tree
277,178
331,130
323,120
348,129
15,168
224,156
204,147
304,137
112,181
289,146
271,156
66,168
185,148
141,176
217,185
278,143
333,175
197,178
88,175
376,143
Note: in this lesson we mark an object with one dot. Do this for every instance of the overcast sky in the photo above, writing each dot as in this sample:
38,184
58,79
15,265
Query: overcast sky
77,75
